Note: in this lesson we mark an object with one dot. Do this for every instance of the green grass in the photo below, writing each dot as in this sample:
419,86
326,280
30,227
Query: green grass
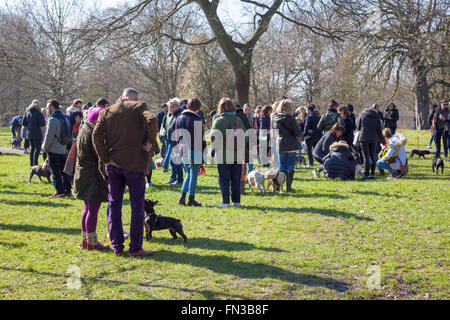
316,243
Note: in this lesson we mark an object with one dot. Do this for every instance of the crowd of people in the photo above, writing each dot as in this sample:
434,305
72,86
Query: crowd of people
100,149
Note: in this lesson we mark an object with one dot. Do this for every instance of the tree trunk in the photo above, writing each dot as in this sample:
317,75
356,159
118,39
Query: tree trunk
422,98
242,85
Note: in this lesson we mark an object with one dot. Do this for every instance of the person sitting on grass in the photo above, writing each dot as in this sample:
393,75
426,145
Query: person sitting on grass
322,148
393,158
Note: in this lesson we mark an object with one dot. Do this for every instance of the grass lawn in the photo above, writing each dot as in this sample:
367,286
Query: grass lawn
317,243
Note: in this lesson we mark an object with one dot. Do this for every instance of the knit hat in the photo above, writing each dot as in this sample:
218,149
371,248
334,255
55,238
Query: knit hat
93,114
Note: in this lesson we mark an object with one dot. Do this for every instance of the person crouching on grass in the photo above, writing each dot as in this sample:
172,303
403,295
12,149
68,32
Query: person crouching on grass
89,184
192,123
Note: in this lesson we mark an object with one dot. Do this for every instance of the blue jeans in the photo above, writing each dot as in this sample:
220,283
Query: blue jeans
286,161
230,174
250,167
190,183
168,156
383,165
432,139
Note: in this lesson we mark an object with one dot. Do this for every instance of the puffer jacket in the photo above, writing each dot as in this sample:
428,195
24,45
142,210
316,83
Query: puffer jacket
193,124
340,163
288,132
328,120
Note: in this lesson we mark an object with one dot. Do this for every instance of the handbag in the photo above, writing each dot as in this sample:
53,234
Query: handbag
69,167
404,169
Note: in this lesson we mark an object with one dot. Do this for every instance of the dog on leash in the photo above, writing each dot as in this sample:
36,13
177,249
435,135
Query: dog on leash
299,161
276,179
420,153
40,171
15,144
257,179
438,163
153,222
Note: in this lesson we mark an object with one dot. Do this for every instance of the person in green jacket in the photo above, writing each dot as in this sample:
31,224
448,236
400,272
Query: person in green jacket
229,151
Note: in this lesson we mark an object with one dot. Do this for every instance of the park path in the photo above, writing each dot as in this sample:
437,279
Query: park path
9,150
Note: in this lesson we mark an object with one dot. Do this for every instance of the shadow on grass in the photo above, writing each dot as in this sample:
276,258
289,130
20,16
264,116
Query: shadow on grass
207,294
31,228
12,245
35,203
23,193
374,193
321,211
213,244
249,270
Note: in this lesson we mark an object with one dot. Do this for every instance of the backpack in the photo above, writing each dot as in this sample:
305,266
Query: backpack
66,136
234,127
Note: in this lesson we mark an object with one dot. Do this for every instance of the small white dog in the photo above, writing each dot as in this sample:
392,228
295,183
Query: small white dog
358,170
257,179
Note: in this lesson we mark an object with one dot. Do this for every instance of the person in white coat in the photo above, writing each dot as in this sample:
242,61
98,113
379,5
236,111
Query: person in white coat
394,156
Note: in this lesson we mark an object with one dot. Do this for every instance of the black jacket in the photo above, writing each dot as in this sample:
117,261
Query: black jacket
340,163
160,115
369,127
348,135
328,120
288,132
33,121
322,148
390,123
310,131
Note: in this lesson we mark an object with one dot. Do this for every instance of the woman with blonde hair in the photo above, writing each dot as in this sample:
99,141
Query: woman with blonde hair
287,139
394,158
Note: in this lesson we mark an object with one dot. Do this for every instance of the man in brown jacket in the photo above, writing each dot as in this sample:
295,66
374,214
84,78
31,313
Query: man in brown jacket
123,137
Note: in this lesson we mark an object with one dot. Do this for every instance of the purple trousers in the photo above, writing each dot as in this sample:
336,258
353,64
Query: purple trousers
89,216
117,180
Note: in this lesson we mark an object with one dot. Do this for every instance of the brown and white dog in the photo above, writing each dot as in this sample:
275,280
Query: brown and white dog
276,179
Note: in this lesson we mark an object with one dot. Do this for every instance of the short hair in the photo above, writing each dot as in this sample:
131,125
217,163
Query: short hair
246,106
77,114
311,107
350,107
225,105
194,104
174,102
77,101
53,103
266,110
164,106
344,110
130,92
387,133
337,127
102,102
285,106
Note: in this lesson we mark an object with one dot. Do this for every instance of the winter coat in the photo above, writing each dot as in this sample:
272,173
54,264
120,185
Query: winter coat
288,132
442,124
51,140
310,130
33,121
390,123
322,148
15,122
369,127
120,134
172,126
396,148
88,182
193,124
219,129
160,115
340,163
328,120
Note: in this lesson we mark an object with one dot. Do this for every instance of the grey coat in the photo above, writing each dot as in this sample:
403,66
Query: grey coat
51,143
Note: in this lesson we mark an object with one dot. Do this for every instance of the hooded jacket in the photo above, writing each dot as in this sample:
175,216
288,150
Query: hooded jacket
193,124
33,121
369,127
288,132
322,148
51,140
396,148
340,163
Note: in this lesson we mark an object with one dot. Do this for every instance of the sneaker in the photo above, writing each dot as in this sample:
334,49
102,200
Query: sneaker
126,235
223,205
236,205
148,185
176,183
429,147
169,182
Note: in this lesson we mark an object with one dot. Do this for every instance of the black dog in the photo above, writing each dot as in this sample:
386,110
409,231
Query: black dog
420,153
40,171
438,163
15,144
154,222
300,160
